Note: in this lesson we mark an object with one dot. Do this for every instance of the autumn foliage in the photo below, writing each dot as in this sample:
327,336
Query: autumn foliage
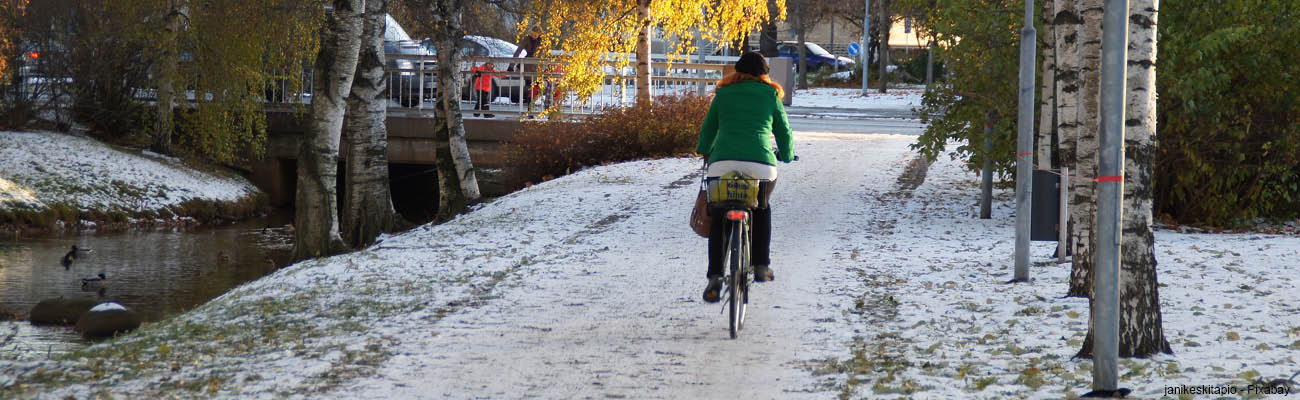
546,149
598,37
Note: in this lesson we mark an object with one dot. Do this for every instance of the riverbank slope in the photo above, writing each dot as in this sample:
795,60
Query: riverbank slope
54,181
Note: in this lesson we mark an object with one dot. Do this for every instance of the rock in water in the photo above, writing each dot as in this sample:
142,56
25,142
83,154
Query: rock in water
106,320
60,311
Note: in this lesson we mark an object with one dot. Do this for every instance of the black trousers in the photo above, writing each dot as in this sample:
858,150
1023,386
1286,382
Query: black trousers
484,99
760,233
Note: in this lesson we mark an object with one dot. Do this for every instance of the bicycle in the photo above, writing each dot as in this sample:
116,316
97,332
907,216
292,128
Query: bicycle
735,196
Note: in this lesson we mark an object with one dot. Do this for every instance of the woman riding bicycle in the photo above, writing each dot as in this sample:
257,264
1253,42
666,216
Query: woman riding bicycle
736,136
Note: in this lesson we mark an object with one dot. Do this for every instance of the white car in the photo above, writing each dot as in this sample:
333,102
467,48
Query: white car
410,57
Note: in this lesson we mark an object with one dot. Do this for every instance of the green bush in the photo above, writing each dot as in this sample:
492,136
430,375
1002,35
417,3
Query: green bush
1229,103
547,149
914,68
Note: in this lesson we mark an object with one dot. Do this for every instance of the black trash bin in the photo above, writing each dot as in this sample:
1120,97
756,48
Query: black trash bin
1046,206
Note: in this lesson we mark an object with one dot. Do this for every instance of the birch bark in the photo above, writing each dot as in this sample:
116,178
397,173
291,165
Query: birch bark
316,210
1141,331
457,183
1083,207
368,204
169,61
1047,109
643,71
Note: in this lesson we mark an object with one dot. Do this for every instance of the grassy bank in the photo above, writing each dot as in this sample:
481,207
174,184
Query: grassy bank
54,182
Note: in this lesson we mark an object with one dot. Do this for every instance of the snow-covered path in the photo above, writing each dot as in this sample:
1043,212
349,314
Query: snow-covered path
588,286
618,314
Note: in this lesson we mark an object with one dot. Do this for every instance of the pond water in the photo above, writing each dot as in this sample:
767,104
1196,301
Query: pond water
156,273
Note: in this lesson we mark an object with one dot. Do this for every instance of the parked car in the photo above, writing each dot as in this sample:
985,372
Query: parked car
504,84
815,56
414,82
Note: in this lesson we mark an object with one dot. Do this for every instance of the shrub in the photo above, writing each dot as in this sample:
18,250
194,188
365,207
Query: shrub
914,68
1229,143
546,149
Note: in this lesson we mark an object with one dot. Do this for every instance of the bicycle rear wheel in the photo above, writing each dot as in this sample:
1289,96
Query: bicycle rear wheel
736,244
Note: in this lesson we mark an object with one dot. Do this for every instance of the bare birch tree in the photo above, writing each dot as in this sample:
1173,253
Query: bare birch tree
170,45
1066,23
315,205
1141,331
643,72
368,203
457,183
1139,289
1083,207
1047,101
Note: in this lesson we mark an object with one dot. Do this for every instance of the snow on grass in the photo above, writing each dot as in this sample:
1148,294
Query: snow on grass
587,286
41,169
313,325
851,99
950,327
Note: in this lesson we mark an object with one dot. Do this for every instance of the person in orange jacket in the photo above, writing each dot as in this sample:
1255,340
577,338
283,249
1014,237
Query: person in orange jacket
483,75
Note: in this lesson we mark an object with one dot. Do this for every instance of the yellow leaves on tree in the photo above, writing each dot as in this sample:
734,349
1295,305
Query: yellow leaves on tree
239,50
594,34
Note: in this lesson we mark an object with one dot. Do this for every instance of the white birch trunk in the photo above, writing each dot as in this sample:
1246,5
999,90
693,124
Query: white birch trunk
643,72
1047,109
316,210
1141,331
1066,23
458,185
167,71
368,204
1084,205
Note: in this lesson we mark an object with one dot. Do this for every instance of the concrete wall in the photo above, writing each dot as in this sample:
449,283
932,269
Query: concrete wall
410,141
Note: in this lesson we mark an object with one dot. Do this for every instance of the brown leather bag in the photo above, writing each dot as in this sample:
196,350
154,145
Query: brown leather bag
700,219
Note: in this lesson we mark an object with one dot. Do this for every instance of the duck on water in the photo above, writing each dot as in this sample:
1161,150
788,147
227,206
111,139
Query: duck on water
93,284
69,258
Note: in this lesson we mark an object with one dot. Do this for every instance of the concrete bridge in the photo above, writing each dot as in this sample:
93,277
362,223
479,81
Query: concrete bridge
411,146
410,143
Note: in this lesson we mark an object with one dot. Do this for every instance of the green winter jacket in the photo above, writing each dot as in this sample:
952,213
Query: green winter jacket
741,119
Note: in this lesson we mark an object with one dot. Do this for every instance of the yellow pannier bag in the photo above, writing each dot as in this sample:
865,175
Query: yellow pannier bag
734,187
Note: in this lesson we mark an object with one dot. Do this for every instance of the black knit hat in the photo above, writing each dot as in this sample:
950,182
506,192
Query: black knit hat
752,63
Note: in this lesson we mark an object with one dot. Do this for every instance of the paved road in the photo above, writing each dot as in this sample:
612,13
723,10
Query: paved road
840,120
805,123
900,113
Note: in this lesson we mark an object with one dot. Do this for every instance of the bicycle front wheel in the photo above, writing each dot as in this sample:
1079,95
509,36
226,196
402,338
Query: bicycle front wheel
735,243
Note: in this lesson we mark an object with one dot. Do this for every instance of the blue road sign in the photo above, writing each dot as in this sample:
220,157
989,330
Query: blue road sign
854,48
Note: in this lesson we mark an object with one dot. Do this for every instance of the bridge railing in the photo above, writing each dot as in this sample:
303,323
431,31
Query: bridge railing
517,88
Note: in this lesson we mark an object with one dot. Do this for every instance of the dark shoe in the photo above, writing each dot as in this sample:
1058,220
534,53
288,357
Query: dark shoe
763,273
713,292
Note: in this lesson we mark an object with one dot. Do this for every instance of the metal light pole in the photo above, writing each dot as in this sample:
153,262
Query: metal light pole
1110,192
1025,144
866,44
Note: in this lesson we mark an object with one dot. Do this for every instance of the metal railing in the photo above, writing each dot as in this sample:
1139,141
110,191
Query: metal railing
517,88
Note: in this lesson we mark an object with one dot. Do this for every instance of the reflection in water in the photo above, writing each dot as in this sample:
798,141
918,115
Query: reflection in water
155,273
